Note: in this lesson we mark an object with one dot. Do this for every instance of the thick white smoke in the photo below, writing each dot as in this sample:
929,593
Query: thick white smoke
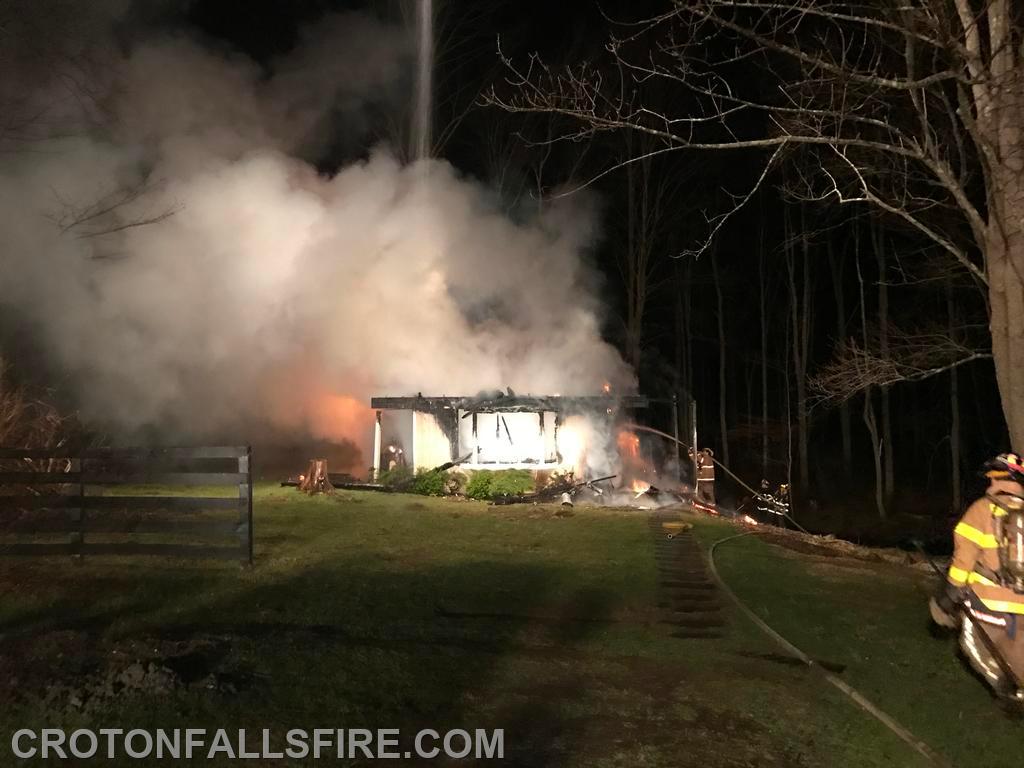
188,271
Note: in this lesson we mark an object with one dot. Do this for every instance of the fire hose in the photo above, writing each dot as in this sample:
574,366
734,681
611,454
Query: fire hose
858,698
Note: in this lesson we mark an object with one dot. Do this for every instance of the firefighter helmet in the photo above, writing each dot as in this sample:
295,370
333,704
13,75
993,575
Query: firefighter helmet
1005,466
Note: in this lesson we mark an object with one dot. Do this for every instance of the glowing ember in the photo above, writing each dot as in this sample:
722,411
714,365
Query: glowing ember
749,520
607,388
703,507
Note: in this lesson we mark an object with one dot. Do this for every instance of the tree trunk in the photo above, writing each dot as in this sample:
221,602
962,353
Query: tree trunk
1005,259
878,243
836,263
681,388
954,409
876,444
869,409
1000,118
723,426
787,388
801,332
634,275
688,381
749,370
805,353
762,280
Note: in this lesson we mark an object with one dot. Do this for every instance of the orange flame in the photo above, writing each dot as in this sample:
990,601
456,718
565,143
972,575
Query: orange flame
629,444
342,416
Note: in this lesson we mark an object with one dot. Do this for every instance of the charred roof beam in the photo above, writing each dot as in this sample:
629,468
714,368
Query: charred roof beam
510,403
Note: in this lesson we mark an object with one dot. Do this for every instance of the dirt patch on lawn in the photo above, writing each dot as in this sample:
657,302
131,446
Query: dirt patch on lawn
69,671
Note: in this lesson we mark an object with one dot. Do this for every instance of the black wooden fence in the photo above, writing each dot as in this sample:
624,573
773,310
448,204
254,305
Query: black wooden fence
74,495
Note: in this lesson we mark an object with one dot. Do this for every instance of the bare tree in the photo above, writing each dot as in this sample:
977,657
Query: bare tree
62,73
870,421
836,262
651,195
878,244
684,334
914,355
800,319
913,108
762,282
954,406
122,208
56,63
723,425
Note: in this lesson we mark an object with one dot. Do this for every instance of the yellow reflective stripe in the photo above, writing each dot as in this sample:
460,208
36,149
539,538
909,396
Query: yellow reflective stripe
958,575
996,510
977,578
1003,606
969,532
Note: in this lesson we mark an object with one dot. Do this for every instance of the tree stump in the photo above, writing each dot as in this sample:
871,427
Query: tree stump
315,480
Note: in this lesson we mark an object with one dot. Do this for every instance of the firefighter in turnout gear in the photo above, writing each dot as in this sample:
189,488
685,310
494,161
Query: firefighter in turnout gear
984,590
773,508
705,461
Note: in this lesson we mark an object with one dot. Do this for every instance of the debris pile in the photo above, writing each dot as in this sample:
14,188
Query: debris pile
830,546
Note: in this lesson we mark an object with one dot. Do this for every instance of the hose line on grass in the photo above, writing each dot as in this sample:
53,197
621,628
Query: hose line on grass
905,735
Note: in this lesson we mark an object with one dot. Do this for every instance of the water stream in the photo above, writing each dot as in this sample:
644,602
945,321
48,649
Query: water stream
422,118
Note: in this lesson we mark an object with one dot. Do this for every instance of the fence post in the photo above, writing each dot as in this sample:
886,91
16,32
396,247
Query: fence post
245,501
675,434
76,537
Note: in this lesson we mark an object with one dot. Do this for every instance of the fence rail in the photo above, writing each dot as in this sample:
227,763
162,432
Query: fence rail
30,485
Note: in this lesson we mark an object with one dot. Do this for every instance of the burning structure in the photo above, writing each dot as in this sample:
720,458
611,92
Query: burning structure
500,431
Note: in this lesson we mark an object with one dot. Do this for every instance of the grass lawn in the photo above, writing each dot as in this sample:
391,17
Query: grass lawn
873,618
394,611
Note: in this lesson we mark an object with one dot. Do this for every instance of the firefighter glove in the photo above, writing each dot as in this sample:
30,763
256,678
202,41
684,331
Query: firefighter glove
940,616
944,606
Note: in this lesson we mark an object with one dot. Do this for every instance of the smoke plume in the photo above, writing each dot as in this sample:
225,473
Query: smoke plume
188,270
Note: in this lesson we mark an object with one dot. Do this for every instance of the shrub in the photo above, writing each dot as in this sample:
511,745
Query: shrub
512,482
486,485
425,482
396,478
479,486
428,483
26,421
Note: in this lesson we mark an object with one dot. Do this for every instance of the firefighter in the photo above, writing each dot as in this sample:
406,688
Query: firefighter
393,457
773,508
765,502
984,590
705,476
